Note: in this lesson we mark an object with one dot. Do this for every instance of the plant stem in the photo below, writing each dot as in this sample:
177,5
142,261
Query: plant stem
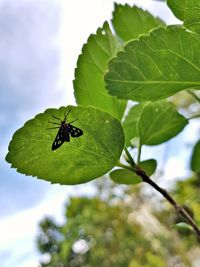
139,153
194,95
132,162
119,164
194,117
166,195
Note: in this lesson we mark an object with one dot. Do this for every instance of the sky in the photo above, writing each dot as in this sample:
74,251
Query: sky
39,46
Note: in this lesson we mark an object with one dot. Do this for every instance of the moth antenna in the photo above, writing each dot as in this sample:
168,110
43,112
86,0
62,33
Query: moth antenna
56,118
66,114
53,122
73,121
53,128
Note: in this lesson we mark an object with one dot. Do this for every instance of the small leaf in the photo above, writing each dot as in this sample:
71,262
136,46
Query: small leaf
125,176
183,227
195,161
149,166
156,66
153,122
82,159
89,85
188,12
159,122
130,22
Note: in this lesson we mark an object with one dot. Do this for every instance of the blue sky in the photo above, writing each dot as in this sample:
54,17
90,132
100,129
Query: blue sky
39,46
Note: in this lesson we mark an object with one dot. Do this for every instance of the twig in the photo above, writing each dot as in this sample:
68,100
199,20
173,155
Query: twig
139,153
166,195
131,161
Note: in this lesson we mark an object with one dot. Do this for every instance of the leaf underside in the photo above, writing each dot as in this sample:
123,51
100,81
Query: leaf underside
125,176
156,66
153,122
89,85
80,160
129,22
188,12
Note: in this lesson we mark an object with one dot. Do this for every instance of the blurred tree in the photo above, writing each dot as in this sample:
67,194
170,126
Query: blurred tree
114,232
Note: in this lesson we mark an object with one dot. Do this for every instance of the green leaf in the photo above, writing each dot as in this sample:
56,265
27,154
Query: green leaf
187,11
178,7
130,22
183,227
82,159
125,176
157,66
130,124
149,166
153,122
89,85
195,161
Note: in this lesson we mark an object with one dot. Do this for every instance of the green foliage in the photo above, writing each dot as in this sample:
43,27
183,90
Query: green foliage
126,176
80,160
156,66
125,19
89,86
159,122
188,12
155,63
195,161
138,60
153,122
178,8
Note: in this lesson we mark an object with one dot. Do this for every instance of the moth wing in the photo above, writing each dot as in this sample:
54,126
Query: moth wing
75,132
61,137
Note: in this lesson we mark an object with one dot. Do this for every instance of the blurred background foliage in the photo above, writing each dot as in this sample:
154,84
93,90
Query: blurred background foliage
126,226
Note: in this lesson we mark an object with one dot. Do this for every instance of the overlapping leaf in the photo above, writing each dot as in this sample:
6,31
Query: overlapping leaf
130,124
89,84
130,22
188,12
157,66
153,122
178,7
82,159
126,176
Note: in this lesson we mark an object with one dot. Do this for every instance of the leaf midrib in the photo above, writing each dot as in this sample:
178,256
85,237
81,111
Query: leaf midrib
156,82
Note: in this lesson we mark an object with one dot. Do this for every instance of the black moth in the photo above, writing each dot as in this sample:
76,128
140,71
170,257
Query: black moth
64,132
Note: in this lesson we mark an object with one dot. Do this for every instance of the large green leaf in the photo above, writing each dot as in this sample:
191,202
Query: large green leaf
80,160
187,11
195,161
157,66
126,176
153,122
89,84
130,22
